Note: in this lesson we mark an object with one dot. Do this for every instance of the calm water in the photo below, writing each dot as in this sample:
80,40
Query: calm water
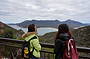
40,31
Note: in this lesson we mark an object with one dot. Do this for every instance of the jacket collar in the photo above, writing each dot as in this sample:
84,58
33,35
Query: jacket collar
28,34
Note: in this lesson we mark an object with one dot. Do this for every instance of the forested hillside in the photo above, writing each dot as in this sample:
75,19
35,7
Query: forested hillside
9,32
81,36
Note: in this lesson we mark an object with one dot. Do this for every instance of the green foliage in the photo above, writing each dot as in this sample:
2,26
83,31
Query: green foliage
82,36
10,32
20,38
48,37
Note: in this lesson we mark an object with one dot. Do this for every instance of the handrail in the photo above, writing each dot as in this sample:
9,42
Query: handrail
47,45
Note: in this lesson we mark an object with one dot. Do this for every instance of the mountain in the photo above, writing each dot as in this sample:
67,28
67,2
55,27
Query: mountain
40,23
8,32
81,36
50,23
73,23
88,23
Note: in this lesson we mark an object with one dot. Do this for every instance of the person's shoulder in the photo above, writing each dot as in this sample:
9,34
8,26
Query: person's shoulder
34,37
24,35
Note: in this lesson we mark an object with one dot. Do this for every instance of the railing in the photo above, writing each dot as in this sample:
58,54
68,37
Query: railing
10,49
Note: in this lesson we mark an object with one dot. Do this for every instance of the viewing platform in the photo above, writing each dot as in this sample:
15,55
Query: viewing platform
10,49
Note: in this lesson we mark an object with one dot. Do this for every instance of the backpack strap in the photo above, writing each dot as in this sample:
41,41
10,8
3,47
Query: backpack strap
30,40
69,42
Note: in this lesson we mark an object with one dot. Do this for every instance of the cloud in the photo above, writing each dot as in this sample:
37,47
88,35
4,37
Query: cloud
44,9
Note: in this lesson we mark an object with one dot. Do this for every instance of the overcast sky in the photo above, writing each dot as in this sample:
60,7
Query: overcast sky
14,11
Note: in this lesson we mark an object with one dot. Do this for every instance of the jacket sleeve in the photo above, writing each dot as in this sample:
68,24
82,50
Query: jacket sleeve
59,44
36,44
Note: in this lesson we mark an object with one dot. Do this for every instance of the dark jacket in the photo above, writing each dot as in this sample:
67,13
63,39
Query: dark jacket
60,43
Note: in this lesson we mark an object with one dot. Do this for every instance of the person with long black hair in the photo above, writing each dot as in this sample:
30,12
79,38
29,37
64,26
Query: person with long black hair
65,47
62,35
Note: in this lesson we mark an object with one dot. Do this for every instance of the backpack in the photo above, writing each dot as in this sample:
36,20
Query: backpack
71,51
26,53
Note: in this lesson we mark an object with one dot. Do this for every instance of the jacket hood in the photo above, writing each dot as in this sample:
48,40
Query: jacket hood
28,34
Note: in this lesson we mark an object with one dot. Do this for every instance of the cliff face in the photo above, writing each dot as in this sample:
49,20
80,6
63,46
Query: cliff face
81,36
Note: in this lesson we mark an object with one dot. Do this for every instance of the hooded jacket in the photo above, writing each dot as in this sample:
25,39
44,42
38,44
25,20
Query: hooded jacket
34,43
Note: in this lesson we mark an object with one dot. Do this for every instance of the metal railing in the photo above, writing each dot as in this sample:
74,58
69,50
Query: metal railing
10,49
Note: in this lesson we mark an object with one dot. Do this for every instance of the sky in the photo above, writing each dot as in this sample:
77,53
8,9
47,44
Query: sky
15,11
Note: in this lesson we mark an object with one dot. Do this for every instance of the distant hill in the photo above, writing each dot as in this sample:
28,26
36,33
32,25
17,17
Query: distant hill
73,23
8,32
81,35
50,23
88,23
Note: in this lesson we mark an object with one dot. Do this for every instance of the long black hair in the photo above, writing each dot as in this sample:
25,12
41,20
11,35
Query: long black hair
62,28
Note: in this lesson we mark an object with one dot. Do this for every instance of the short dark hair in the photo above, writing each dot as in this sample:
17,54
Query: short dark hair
31,28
